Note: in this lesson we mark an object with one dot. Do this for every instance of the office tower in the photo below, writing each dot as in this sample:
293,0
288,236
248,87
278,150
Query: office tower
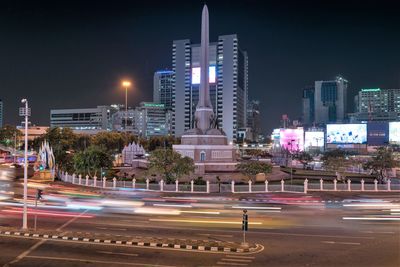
228,84
330,101
152,119
253,118
377,105
308,107
1,113
162,88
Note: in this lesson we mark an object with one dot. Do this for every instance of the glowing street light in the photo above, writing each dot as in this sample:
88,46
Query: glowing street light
25,112
126,84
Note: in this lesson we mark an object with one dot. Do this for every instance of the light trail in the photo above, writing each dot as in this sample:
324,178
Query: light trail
201,221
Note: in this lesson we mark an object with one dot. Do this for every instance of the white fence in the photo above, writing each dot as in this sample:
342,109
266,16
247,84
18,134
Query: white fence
229,188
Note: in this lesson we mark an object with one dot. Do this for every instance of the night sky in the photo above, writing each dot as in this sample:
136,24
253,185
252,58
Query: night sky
66,54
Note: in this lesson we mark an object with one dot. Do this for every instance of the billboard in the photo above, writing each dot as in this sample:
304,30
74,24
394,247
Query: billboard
292,139
212,73
378,133
394,132
346,133
314,139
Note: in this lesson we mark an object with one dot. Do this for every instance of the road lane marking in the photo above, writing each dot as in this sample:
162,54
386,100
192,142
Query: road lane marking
112,229
372,232
118,253
256,208
215,235
241,257
341,243
98,261
35,246
235,260
231,263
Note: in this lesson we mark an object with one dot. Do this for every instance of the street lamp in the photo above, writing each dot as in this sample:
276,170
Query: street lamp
25,112
126,84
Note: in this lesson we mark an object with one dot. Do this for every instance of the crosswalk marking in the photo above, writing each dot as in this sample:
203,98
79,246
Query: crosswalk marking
241,257
235,260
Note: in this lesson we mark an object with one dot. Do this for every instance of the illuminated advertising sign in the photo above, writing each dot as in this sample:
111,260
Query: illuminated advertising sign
378,133
212,73
292,139
346,133
314,139
394,132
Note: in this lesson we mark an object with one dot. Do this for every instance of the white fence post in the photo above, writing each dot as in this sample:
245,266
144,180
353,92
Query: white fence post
388,185
147,184
362,184
321,184
104,182
66,175
376,185
176,185
250,182
114,182
192,186
334,184
162,185
305,186
348,185
87,180
233,186
282,185
94,181
133,183
80,179
208,186
73,178
266,185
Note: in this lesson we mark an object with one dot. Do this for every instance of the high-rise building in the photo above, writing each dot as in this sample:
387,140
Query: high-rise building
330,101
152,119
377,105
308,115
228,84
1,113
162,88
253,118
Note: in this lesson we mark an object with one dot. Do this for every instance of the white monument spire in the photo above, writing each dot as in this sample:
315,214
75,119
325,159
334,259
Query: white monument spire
204,112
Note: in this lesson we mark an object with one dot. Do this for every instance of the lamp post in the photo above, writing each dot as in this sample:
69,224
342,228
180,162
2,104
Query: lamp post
126,84
26,112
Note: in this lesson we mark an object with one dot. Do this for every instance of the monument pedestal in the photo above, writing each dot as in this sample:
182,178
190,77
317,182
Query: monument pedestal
210,153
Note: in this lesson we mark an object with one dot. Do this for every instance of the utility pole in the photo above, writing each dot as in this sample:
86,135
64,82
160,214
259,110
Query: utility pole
26,112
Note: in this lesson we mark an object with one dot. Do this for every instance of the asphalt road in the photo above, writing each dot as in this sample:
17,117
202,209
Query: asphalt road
339,229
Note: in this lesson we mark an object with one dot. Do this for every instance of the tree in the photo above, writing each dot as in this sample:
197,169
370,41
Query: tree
252,168
304,158
113,142
381,163
255,153
8,134
91,160
170,164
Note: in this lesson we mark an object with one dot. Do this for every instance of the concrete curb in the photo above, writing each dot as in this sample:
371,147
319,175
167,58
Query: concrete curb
129,243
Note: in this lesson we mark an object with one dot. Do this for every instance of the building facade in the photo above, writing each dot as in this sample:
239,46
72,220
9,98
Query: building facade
330,101
377,105
228,81
1,113
163,88
83,118
152,119
308,105
254,119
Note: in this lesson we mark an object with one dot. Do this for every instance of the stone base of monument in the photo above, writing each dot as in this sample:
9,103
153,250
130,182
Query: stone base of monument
211,153
45,175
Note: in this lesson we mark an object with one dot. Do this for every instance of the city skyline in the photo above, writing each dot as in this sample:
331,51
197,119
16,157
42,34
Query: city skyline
54,52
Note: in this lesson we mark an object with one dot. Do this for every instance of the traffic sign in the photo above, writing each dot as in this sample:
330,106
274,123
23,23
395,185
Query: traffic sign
245,221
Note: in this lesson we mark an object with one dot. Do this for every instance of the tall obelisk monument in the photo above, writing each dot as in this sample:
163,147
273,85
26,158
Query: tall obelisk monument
204,111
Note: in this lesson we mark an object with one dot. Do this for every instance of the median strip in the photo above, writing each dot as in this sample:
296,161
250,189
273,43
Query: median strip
175,244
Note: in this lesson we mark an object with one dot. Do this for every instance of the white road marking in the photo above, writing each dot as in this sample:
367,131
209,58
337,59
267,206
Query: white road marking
117,253
241,257
112,229
35,246
97,261
341,243
231,263
256,208
372,218
235,260
216,235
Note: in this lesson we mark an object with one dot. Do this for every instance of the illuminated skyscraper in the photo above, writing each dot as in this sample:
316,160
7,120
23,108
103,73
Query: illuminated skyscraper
162,91
228,81
1,113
